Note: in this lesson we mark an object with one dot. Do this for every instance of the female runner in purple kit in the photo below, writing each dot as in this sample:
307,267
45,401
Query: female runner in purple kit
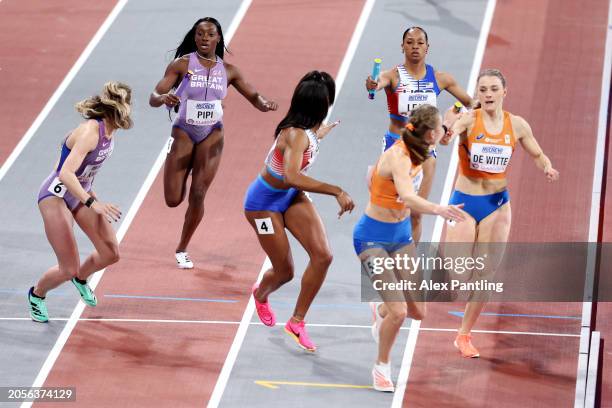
66,196
201,78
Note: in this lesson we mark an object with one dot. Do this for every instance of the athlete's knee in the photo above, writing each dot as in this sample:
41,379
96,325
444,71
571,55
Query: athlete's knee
322,258
288,269
197,195
287,276
397,312
108,254
285,271
173,200
418,313
113,255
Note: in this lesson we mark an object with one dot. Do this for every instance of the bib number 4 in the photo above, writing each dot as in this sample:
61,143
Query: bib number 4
264,226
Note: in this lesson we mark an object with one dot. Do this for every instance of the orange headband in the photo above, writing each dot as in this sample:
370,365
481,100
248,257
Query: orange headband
410,127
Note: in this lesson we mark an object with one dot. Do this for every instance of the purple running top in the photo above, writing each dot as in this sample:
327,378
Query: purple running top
200,111
85,173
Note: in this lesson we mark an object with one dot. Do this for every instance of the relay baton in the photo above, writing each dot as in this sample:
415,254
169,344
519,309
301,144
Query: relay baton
182,86
375,72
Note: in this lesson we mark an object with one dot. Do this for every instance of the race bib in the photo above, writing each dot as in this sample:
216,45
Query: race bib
409,101
202,113
57,188
489,157
264,226
89,172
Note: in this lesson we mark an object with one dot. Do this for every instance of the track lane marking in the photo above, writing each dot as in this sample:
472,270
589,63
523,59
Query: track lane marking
325,325
275,384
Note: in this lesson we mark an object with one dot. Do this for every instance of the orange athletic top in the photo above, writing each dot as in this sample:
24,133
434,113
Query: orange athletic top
484,155
382,189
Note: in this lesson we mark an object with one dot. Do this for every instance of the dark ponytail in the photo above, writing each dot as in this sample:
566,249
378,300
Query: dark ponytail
422,119
313,96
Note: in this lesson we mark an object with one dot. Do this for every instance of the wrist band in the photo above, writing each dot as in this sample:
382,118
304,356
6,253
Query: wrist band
156,94
445,128
89,202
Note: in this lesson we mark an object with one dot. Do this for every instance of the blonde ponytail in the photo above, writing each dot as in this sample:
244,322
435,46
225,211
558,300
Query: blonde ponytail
113,103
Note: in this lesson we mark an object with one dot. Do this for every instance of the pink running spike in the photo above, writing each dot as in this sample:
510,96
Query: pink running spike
297,331
264,311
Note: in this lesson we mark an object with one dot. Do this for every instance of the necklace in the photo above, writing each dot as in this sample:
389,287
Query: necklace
207,59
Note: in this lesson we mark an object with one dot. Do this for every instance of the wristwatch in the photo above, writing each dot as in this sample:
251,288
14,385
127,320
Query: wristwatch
89,202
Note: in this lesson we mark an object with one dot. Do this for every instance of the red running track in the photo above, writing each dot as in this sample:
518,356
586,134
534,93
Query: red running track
155,364
552,55
40,42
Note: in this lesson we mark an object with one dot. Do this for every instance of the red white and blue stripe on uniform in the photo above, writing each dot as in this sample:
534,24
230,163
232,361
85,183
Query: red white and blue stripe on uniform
275,162
411,93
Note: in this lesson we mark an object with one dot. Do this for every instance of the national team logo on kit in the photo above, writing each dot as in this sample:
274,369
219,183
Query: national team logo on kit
507,139
480,136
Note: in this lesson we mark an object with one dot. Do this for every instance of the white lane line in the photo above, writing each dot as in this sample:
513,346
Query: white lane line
78,310
325,325
402,379
598,180
232,354
230,360
61,88
434,329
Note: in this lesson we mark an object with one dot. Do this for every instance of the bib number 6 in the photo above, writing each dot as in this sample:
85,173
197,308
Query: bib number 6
57,188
